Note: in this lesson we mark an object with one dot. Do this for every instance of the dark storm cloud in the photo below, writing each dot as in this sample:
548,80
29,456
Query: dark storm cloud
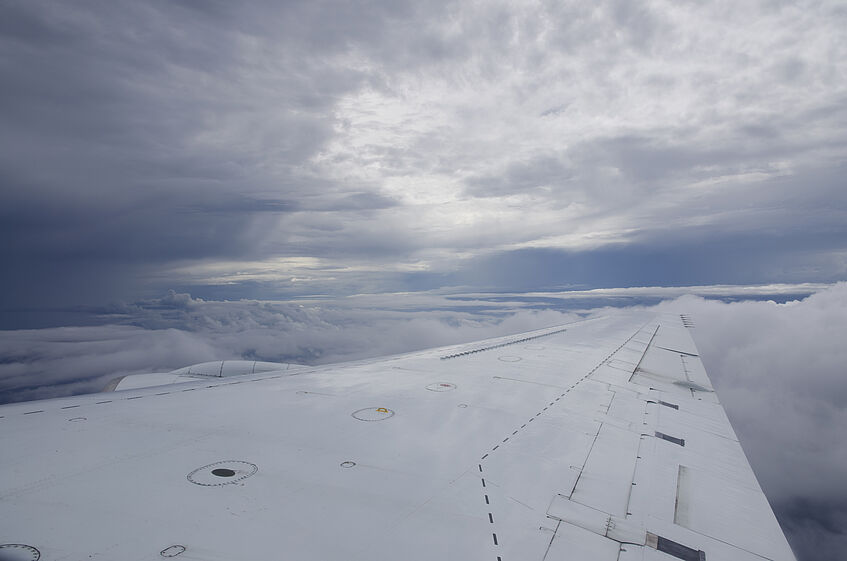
126,137
788,254
400,144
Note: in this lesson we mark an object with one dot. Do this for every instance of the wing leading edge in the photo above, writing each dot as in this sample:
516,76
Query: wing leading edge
598,440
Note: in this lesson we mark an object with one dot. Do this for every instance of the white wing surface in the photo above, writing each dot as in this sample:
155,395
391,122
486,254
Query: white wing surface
600,440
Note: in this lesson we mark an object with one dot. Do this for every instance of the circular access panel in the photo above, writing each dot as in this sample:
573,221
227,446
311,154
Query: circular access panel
18,552
222,473
348,464
172,551
441,387
510,358
373,414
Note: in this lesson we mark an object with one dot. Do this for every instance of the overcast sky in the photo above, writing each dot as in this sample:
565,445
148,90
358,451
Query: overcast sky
270,149
317,150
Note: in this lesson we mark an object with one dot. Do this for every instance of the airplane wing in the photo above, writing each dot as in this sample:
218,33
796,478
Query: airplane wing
598,440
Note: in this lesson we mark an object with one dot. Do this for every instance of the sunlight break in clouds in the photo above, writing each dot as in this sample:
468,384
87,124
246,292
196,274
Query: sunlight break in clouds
405,145
664,126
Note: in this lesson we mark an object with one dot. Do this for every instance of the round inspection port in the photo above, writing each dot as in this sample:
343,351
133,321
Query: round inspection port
222,473
18,552
172,551
373,414
348,464
510,358
441,387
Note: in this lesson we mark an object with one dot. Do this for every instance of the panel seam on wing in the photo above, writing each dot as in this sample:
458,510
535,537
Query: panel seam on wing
523,426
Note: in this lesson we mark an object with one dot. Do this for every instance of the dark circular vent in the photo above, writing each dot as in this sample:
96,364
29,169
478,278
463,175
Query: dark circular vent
222,473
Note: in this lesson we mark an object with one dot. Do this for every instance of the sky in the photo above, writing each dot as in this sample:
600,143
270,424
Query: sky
320,181
279,149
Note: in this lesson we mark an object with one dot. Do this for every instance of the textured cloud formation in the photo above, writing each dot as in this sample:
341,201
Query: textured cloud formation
272,149
778,368
177,330
781,373
36,364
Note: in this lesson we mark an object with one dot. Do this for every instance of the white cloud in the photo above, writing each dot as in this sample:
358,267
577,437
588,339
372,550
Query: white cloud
781,373
657,108
44,363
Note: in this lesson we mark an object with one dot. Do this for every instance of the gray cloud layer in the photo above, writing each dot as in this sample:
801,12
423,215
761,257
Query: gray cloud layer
778,368
278,149
271,149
